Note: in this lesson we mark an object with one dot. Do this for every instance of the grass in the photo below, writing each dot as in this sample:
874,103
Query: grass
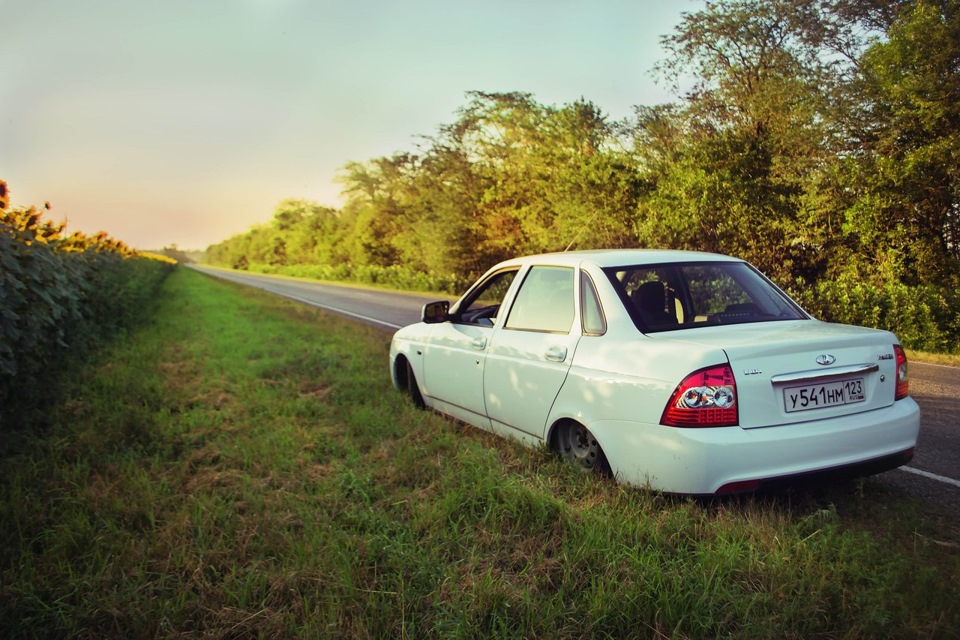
241,467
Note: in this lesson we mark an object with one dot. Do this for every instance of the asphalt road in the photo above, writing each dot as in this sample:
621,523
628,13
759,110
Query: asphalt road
938,447
385,309
934,473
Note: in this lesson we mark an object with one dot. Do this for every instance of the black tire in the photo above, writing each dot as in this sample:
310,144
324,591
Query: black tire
576,445
414,389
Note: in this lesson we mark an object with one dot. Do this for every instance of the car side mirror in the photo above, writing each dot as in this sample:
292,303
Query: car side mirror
435,312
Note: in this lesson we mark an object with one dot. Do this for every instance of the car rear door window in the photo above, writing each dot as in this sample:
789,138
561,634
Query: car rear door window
544,302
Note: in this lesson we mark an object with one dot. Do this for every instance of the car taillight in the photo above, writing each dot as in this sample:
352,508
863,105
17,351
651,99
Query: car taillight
903,381
705,398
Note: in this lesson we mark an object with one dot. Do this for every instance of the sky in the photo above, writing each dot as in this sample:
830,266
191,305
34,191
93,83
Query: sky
188,121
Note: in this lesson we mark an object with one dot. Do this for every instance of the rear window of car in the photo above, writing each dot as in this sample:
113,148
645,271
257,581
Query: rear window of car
667,297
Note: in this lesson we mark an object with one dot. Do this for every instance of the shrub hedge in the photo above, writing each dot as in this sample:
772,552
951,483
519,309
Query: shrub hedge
393,276
924,317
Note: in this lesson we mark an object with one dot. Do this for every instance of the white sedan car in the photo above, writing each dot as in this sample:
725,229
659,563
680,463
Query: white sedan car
679,371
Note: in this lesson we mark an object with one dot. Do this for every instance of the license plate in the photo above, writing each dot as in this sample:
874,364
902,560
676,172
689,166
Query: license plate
818,396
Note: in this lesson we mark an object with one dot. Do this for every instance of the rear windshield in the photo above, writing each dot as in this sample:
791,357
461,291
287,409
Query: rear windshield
667,297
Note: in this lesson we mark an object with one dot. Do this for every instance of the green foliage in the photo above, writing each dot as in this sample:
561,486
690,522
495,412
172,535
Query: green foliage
908,217
740,167
61,295
923,317
393,276
301,232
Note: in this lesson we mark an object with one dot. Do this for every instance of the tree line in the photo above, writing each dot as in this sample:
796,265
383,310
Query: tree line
817,139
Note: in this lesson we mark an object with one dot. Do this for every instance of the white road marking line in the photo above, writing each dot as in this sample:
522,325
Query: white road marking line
932,476
335,310
312,303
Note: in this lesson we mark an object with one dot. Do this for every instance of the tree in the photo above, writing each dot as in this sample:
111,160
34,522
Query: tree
374,193
742,165
907,217
314,234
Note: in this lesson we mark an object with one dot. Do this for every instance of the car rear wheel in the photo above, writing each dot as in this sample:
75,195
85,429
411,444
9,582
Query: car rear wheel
579,447
414,389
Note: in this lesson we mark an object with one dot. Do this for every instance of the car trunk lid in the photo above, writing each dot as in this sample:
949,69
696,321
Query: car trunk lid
797,371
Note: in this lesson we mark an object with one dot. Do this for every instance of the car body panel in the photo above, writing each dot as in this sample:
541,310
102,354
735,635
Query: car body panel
618,380
701,461
524,374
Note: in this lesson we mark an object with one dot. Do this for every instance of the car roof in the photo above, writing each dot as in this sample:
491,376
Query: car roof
620,257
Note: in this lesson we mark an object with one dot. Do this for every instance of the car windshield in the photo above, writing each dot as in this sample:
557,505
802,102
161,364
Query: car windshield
667,297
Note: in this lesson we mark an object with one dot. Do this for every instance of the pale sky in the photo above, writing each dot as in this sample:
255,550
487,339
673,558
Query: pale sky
188,121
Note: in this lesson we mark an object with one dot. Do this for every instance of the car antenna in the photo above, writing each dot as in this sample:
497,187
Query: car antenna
577,237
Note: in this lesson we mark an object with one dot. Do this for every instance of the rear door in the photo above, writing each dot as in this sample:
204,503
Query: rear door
529,357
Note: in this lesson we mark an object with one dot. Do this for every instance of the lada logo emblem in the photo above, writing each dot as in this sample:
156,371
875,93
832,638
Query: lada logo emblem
825,359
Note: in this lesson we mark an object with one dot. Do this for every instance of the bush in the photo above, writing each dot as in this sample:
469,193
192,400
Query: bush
923,317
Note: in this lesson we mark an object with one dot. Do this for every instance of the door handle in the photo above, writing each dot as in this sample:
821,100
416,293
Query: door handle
557,353
479,343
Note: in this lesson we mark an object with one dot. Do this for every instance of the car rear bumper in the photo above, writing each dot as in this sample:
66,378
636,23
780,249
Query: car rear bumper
703,461
821,477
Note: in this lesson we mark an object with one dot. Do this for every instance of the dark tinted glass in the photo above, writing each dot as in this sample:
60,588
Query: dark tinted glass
684,296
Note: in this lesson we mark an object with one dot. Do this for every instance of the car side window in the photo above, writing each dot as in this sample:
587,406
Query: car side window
483,305
594,322
544,302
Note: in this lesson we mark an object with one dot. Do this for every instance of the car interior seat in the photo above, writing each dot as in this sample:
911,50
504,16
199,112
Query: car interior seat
650,300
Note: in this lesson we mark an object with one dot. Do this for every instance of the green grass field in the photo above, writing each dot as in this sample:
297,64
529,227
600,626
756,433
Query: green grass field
241,467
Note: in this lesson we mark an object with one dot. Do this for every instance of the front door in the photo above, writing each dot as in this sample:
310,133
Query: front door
453,363
456,353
